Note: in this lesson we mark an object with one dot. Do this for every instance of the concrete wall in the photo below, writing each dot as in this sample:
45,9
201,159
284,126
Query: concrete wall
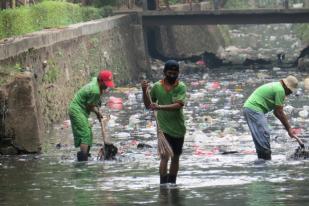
186,41
62,60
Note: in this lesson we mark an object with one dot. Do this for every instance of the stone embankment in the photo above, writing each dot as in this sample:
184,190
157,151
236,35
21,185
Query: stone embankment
58,62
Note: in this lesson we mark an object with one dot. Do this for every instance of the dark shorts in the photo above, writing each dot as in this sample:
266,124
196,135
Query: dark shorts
176,143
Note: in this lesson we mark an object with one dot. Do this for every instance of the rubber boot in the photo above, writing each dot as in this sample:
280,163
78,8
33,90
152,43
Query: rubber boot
163,179
172,178
266,155
81,156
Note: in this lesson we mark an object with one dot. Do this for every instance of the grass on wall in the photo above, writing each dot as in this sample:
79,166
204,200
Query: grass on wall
47,14
302,31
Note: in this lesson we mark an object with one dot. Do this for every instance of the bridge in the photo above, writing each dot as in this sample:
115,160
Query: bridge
252,16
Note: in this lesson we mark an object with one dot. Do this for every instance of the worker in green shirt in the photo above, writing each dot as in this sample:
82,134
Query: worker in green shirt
86,100
168,96
266,98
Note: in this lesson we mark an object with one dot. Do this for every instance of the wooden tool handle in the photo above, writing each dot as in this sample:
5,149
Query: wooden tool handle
105,136
300,142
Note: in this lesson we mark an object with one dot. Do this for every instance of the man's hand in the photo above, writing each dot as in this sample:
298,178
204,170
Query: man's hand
292,133
154,106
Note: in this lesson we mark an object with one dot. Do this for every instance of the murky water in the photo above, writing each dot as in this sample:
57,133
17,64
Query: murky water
206,177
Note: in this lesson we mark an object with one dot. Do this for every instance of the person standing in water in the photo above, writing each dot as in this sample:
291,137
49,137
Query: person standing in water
86,100
169,96
264,99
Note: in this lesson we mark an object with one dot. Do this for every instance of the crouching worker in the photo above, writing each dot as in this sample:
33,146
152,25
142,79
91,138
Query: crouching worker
86,100
264,99
168,97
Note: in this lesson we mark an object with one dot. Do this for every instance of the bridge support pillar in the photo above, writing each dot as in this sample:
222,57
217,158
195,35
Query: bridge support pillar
286,4
216,4
149,5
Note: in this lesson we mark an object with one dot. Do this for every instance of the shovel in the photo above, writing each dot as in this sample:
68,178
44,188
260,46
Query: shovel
108,151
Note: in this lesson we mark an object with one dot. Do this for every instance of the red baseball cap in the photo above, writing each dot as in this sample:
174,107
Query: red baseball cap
107,77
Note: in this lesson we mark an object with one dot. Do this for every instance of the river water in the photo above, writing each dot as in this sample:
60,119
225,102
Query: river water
207,177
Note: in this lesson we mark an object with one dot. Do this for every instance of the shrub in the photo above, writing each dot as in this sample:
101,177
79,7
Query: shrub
15,22
46,14
90,13
100,3
106,11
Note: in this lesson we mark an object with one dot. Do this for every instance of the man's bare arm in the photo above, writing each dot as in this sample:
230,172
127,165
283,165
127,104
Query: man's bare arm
279,113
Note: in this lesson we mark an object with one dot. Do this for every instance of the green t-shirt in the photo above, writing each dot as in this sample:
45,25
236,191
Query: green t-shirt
266,97
87,95
170,122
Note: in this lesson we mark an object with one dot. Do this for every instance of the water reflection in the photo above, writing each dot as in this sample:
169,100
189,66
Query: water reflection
170,195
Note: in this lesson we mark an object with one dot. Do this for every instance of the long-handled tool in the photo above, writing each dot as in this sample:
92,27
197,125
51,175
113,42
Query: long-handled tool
302,152
108,151
301,144
164,148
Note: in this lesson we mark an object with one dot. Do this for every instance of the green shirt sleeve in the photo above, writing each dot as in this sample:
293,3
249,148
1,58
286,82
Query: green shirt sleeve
279,98
180,94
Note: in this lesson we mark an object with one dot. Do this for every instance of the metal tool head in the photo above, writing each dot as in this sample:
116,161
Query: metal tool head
110,151
302,152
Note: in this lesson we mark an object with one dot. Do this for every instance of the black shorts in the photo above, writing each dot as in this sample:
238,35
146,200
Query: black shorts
176,143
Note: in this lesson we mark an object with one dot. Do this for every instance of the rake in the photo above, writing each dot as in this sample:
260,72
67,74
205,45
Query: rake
164,148
302,152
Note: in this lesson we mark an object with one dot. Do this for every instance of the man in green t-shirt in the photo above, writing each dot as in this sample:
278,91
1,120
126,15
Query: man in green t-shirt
169,96
264,99
86,100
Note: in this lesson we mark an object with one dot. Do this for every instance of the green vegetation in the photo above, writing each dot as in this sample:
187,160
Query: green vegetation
302,31
52,74
7,72
239,4
224,30
47,14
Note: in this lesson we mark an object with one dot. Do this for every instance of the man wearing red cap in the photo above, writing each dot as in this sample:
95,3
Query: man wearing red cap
86,100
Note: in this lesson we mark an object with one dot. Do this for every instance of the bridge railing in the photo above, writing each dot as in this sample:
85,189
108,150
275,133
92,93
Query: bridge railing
260,4
210,4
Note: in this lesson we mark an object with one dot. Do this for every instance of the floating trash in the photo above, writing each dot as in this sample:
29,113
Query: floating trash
115,103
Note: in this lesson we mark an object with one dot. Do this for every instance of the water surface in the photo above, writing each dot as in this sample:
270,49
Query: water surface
207,177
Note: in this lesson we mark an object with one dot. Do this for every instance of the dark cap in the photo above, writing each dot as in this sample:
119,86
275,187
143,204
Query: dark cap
171,65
